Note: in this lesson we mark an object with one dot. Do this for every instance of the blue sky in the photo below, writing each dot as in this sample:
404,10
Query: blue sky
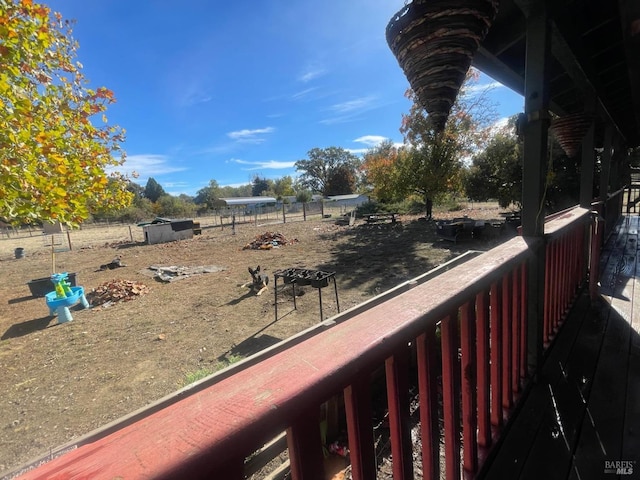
212,90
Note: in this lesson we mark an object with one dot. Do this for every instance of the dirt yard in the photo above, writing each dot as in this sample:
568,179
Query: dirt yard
60,381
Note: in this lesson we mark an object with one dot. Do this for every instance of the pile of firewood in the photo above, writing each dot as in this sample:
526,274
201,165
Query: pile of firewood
115,291
269,240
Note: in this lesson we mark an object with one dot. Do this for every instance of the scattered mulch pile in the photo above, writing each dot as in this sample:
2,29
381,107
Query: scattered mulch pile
269,240
116,291
173,272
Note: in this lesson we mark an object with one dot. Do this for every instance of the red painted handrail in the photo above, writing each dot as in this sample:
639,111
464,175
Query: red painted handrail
463,331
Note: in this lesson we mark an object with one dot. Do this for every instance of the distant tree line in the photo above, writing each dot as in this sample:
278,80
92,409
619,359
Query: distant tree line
326,171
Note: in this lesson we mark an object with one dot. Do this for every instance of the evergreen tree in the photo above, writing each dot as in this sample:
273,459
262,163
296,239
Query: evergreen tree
153,190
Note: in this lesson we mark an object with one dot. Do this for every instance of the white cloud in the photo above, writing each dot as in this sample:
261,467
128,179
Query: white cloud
303,93
235,185
217,149
487,87
371,140
189,99
350,110
499,126
250,136
147,165
178,189
357,151
175,184
358,104
338,119
310,73
501,123
266,165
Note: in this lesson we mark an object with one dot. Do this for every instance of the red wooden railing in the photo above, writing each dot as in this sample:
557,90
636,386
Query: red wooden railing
566,254
463,332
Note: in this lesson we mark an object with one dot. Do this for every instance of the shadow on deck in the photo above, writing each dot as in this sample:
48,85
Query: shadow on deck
581,418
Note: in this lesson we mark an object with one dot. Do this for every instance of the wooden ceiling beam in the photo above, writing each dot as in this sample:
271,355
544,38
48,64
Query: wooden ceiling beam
510,33
489,64
586,81
580,72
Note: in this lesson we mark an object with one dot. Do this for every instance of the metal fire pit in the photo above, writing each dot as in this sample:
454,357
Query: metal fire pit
301,277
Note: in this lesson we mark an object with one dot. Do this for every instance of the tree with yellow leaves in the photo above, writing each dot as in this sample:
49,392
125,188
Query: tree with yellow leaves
54,160
430,162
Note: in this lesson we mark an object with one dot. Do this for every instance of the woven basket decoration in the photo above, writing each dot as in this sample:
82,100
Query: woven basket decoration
570,130
434,42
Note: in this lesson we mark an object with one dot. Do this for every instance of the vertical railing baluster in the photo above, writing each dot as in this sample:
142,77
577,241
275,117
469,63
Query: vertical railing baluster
357,402
428,371
515,333
468,388
560,282
484,386
451,395
548,293
496,358
570,268
597,226
586,241
558,285
571,264
396,368
506,341
523,322
305,446
582,257
575,260
564,279
555,287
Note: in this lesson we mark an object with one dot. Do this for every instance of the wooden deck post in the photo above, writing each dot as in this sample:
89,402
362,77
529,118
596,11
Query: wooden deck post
606,164
536,97
588,160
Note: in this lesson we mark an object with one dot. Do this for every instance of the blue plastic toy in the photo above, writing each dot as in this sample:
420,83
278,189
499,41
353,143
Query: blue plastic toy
61,284
63,297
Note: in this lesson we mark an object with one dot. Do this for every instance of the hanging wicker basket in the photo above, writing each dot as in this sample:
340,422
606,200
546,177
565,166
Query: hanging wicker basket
434,42
570,130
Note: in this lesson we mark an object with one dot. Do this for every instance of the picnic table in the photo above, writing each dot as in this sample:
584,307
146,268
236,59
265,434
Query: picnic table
454,229
381,217
512,220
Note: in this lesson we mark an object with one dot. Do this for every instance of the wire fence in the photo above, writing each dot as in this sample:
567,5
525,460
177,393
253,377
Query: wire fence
29,239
